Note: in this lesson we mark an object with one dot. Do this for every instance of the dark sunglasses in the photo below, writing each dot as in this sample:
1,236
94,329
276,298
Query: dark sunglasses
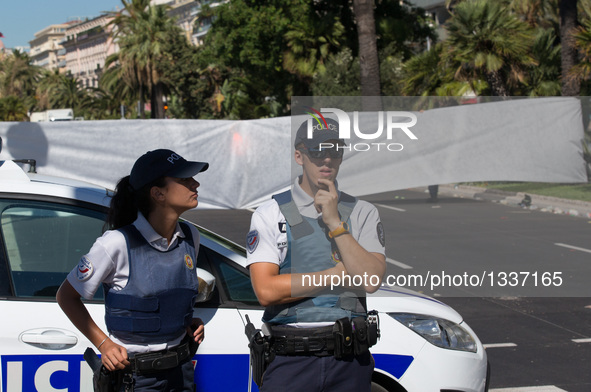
318,153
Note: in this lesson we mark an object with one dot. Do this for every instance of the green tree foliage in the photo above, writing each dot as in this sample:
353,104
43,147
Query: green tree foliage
58,91
402,29
303,48
534,71
246,44
537,13
544,77
18,78
260,53
142,32
188,87
488,42
423,74
12,108
340,77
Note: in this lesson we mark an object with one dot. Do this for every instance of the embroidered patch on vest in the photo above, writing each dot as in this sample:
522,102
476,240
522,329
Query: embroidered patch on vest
381,234
189,262
252,240
84,270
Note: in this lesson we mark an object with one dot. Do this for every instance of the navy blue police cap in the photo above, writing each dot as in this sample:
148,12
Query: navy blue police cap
162,163
321,133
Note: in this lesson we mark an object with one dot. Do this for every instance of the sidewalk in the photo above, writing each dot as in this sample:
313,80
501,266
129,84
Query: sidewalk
553,205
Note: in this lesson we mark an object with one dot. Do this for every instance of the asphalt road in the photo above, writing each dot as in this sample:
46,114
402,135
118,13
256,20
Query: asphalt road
536,323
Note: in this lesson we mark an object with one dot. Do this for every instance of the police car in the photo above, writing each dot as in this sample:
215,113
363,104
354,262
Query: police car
48,223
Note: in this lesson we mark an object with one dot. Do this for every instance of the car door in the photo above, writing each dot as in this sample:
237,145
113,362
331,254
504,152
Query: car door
42,240
222,361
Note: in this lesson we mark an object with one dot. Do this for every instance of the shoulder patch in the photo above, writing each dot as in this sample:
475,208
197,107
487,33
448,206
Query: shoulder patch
282,227
381,234
252,240
84,269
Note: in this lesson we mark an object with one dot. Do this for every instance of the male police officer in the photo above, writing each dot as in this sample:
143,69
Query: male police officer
315,233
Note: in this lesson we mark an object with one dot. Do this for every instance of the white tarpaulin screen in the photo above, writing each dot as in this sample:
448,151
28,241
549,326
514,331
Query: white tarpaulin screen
522,140
538,140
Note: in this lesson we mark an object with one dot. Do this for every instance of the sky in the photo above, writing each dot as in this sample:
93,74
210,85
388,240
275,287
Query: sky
21,19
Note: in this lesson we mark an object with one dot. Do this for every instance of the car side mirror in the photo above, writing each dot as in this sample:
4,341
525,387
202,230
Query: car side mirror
206,285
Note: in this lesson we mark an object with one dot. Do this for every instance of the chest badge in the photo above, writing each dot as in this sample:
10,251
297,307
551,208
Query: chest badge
189,262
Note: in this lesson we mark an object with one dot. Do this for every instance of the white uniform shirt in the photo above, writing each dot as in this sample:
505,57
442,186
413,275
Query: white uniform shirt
268,243
108,262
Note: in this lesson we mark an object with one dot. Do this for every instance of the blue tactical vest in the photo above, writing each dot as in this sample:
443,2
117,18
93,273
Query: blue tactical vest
156,305
310,250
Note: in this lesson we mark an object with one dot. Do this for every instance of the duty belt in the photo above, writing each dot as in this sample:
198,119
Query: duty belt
343,339
160,360
303,341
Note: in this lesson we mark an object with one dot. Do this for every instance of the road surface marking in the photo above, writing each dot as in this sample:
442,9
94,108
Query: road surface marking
573,247
499,345
587,340
391,208
398,263
543,388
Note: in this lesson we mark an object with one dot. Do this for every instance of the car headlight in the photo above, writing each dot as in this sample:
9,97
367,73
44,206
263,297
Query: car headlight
442,333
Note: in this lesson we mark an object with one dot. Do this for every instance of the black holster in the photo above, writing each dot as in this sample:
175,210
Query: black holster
343,336
260,352
355,337
361,340
104,380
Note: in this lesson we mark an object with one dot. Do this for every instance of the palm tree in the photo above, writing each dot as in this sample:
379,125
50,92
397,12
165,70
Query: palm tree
488,42
368,51
423,75
18,77
544,78
537,13
12,109
46,87
311,41
57,90
68,94
569,55
122,84
143,32
582,70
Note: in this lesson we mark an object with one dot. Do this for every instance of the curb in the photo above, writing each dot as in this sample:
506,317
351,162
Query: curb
549,204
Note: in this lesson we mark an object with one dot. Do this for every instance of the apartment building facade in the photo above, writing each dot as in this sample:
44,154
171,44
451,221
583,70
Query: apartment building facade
87,45
189,17
46,49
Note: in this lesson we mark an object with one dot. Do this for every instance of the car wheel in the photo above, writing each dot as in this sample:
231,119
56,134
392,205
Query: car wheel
377,388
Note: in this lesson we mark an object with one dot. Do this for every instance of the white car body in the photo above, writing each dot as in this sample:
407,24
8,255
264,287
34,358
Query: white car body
41,350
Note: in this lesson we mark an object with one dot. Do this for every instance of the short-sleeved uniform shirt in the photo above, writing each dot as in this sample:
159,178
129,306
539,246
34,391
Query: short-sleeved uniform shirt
107,262
267,238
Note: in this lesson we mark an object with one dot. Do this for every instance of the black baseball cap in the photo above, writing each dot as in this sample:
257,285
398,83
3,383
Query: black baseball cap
162,163
321,133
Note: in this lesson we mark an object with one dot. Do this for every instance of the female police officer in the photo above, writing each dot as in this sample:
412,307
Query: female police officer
146,265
